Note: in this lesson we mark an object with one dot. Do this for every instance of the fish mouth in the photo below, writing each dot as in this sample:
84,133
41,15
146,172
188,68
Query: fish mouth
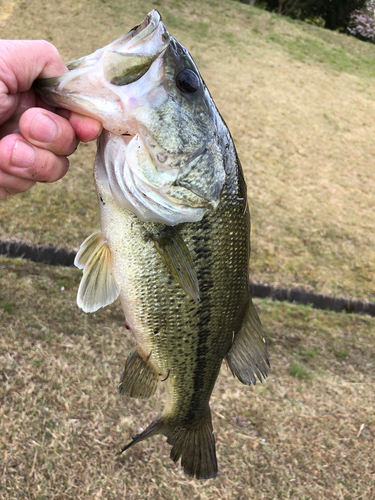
133,39
105,84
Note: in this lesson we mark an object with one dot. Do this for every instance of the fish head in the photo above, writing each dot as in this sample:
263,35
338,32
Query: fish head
159,154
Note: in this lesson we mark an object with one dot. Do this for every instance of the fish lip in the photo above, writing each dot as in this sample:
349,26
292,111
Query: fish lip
139,35
153,17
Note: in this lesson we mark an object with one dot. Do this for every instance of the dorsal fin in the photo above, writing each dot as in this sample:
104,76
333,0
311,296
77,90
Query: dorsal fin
98,287
248,358
177,257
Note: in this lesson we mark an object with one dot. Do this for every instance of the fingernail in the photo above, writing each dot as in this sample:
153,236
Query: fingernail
23,154
42,128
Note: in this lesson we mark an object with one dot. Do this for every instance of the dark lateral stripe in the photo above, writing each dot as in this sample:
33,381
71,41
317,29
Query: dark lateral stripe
62,257
203,325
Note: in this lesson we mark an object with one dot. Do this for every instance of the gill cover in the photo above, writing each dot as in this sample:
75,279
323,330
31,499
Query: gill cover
136,184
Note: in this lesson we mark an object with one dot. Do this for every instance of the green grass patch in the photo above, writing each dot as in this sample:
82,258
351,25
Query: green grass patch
341,353
309,353
7,306
299,371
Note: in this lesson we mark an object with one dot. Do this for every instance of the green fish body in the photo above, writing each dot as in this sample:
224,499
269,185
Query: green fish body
174,244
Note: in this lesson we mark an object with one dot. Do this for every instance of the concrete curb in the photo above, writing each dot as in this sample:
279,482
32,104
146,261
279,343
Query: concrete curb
62,257
37,253
317,300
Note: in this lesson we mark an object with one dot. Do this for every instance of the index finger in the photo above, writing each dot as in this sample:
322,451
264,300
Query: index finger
22,61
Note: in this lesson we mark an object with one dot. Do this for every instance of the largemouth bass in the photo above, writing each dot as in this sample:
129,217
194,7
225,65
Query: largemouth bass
174,243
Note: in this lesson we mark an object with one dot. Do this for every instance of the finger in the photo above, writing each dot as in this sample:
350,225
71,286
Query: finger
22,61
48,131
10,112
21,159
13,185
86,128
3,193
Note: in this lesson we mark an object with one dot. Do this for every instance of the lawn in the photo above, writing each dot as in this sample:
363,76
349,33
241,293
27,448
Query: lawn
307,432
300,104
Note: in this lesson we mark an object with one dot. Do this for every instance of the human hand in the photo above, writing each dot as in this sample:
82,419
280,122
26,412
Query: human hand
34,140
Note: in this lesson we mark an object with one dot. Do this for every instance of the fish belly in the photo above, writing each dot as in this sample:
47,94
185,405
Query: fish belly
184,341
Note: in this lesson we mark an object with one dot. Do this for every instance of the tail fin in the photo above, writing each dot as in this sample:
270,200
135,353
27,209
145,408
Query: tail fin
194,443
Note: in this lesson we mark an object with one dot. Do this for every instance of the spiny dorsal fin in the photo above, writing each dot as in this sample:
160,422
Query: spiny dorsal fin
139,379
248,358
98,287
177,257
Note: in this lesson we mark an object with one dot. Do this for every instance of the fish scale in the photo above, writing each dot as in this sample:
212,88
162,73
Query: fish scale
174,243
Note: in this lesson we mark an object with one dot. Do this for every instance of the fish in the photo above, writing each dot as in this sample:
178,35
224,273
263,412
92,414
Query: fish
174,238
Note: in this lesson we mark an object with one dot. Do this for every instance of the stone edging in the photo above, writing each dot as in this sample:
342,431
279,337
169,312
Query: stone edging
62,257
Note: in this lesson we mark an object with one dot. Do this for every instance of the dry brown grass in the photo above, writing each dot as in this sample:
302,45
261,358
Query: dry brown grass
300,104
309,435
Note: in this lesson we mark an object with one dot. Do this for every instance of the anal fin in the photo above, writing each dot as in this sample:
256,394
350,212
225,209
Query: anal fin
248,357
139,379
98,287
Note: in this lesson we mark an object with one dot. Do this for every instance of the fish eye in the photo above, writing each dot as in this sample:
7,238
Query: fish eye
187,81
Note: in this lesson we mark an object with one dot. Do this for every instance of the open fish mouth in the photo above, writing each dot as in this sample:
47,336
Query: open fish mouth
129,43
94,85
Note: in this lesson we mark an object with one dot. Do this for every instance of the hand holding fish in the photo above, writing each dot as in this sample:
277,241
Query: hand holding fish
35,141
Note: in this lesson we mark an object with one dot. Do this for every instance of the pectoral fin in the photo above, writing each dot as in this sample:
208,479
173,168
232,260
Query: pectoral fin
177,257
248,358
98,287
139,379
87,249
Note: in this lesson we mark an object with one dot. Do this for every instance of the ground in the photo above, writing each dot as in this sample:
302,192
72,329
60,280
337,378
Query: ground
300,104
